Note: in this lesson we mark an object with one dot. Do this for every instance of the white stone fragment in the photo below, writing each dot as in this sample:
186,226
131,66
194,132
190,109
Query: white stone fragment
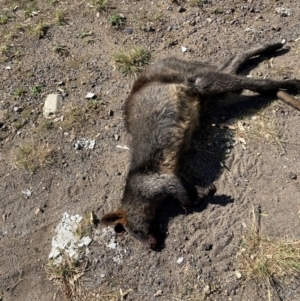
112,245
52,105
183,49
90,95
238,274
122,146
85,241
66,241
26,193
85,143
180,260
284,12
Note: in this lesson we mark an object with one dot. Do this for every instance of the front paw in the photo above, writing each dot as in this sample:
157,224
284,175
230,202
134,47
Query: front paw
206,191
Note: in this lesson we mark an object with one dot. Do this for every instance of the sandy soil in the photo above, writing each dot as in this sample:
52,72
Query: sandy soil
262,174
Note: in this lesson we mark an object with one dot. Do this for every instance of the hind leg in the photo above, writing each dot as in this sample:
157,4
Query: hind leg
184,68
236,61
214,82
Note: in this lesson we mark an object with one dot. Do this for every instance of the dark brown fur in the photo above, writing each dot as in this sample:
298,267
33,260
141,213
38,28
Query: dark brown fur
162,113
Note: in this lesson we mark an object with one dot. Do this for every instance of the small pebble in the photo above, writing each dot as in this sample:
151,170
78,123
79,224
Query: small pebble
206,289
206,247
183,49
193,22
158,293
38,210
180,260
238,274
90,95
18,109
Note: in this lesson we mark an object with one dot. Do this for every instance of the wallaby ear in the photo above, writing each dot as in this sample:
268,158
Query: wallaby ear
113,218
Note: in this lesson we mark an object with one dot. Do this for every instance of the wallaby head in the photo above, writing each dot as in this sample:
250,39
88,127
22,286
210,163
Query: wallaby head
136,216
143,194
139,225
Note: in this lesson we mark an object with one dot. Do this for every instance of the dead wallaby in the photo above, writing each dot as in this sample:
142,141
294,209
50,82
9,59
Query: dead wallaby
161,114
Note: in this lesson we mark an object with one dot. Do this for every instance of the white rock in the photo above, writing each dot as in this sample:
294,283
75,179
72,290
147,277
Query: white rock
52,105
26,193
238,274
183,49
112,245
85,143
122,146
90,95
284,12
66,241
180,260
58,119
85,241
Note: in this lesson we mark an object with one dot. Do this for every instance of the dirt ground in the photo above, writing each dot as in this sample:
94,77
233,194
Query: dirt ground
260,172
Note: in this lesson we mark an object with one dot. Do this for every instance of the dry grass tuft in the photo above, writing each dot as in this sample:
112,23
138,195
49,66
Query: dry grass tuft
32,156
133,61
197,3
261,127
270,260
60,17
40,29
99,5
67,276
85,227
74,118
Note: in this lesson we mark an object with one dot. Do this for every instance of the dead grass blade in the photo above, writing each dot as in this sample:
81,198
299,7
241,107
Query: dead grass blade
274,261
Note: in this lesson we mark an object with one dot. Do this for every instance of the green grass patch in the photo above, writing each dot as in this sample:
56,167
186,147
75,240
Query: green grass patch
133,61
